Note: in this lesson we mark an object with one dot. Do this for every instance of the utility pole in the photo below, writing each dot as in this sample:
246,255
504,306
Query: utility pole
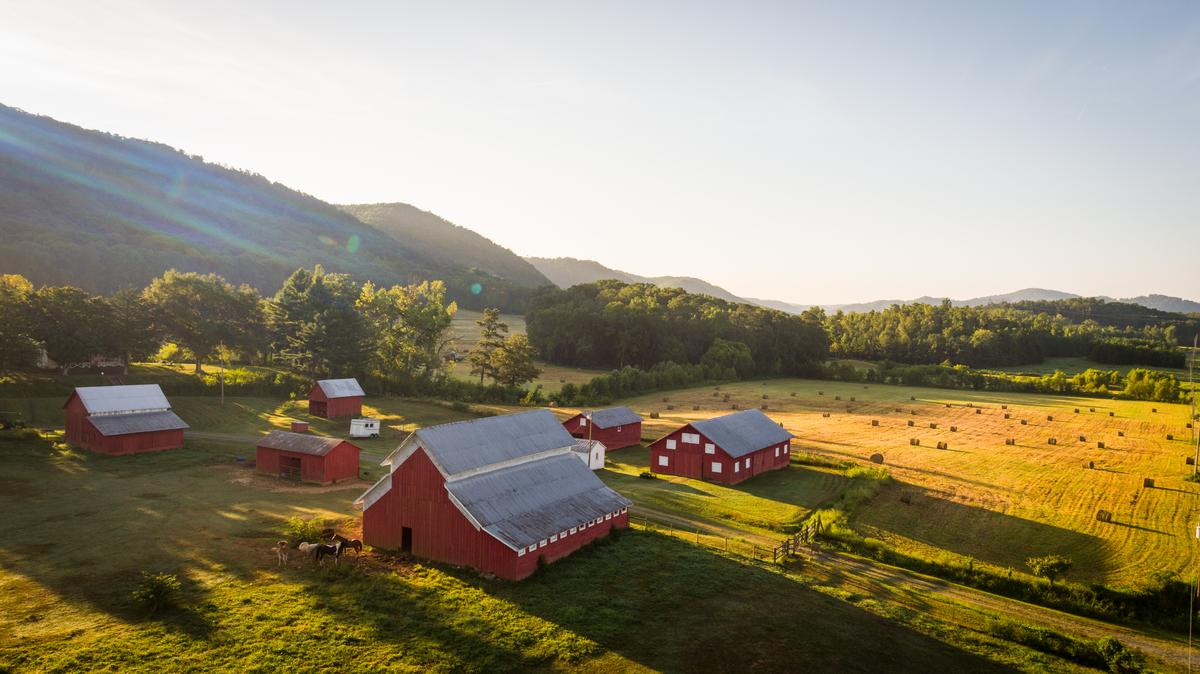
1192,409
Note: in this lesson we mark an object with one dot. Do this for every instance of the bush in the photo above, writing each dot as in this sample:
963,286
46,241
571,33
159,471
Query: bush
158,591
647,475
298,530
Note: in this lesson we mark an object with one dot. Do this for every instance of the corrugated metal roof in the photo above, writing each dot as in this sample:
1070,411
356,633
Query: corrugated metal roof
586,446
137,422
118,399
742,432
613,416
523,504
465,445
302,443
340,388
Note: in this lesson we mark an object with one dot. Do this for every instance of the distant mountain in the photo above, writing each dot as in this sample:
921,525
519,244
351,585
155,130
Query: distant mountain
1025,295
447,243
103,212
565,272
1165,303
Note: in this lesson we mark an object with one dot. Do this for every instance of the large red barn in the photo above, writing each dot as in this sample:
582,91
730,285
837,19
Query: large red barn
726,449
495,494
616,427
309,458
336,398
122,419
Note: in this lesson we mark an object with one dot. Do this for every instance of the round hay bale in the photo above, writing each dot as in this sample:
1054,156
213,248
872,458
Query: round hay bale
695,408
1170,437
954,429
1010,441
1007,415
914,441
911,422
1004,407
1076,410
1049,417
1111,414
1189,460
874,422
1148,482
1083,438
820,393
763,406
1120,434
932,425
912,397
670,407
1091,409
877,458
764,396
1154,410
825,415
654,415
1100,445
716,395
1053,441
851,398
793,394
733,406
948,405
664,399
978,411
1024,422
837,397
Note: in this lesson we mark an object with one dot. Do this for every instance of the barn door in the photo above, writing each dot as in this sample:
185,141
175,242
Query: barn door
289,468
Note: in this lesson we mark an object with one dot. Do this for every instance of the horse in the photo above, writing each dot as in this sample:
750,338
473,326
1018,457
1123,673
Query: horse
352,543
327,550
281,551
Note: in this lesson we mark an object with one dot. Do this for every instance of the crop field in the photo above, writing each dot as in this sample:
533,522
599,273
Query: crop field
80,528
980,497
466,334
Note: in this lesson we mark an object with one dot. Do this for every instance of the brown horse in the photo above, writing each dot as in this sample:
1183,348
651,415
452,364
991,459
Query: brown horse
345,543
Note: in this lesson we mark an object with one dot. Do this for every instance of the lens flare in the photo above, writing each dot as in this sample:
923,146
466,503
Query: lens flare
476,288
353,243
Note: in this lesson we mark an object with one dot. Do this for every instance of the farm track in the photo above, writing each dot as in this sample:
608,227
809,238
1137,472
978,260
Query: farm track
882,580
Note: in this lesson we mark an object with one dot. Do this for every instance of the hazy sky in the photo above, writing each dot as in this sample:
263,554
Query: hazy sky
829,152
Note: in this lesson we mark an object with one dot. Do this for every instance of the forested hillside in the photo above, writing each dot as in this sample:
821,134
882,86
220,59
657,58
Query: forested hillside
447,243
103,212
612,324
568,271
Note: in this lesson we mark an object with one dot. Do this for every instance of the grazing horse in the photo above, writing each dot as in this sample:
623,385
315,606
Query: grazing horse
281,551
352,543
325,550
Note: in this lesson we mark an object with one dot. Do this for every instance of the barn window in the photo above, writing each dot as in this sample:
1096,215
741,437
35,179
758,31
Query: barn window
716,466
747,463
521,552
618,429
709,448
563,534
583,421
624,510
691,438
574,529
607,516
542,543
737,467
554,538
663,460
670,444
776,452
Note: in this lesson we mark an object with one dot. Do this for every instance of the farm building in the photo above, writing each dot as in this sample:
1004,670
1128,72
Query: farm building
616,427
122,419
307,458
726,449
590,452
336,398
496,494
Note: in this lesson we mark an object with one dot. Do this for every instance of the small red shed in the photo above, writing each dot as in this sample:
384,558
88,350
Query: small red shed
497,494
122,419
306,457
726,449
616,427
336,398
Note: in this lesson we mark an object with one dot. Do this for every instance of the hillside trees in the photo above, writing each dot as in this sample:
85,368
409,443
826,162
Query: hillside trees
411,327
513,362
17,347
315,324
64,320
201,311
610,324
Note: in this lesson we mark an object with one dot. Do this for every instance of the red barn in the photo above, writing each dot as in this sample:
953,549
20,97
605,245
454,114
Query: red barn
616,427
336,398
725,449
122,419
496,494
310,458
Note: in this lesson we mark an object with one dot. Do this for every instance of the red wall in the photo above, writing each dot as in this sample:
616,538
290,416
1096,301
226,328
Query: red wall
341,463
615,437
81,433
418,499
689,460
333,408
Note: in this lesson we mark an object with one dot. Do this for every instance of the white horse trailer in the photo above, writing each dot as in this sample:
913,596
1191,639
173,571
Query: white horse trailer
364,428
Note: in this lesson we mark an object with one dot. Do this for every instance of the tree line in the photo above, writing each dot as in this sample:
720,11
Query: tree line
610,324
318,324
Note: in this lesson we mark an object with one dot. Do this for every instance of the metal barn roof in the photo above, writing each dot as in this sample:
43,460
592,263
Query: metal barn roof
586,446
302,443
613,416
742,432
340,388
465,445
137,422
523,504
119,399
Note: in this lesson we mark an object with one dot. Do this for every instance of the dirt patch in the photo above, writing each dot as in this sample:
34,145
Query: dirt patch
247,478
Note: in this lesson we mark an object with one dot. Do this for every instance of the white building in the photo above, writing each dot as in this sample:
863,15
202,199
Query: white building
590,452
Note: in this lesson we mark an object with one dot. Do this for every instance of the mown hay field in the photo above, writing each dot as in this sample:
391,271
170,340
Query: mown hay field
466,334
981,498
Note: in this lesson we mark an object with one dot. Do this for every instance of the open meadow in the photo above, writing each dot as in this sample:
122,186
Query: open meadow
979,498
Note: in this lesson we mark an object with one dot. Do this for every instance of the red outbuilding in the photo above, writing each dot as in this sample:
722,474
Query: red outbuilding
336,398
616,427
122,419
307,458
496,494
726,449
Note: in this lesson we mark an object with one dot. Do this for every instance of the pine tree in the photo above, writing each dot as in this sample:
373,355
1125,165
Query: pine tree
491,338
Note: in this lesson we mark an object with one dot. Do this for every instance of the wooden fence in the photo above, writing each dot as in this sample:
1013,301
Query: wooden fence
790,547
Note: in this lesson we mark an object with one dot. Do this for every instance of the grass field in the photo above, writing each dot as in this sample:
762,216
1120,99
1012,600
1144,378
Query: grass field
981,498
80,528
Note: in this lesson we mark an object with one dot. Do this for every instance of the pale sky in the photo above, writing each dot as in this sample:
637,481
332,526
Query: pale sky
826,152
